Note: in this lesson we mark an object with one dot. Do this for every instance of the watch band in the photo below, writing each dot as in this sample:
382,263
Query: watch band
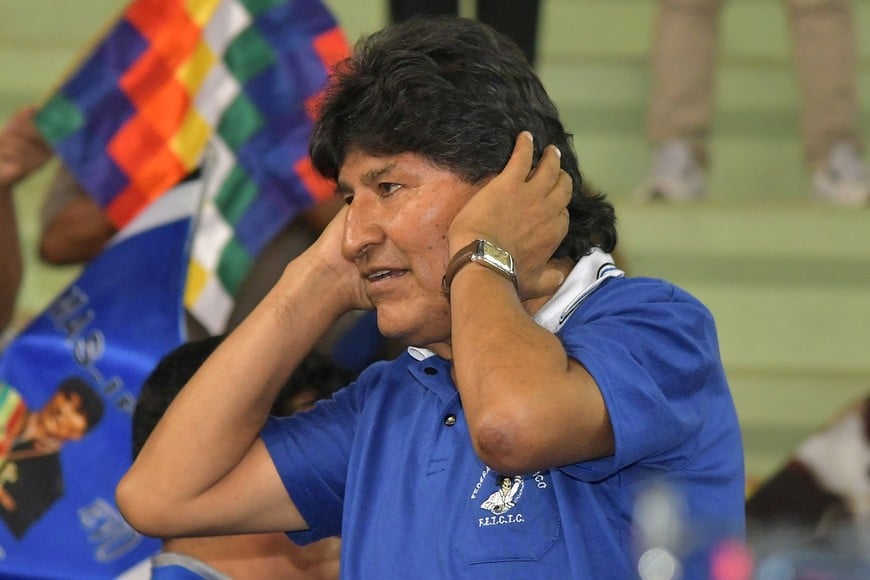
474,252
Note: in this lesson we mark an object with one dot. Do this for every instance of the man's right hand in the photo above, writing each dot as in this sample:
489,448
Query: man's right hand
326,251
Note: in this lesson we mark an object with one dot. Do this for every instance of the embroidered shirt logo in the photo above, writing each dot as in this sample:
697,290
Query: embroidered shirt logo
506,497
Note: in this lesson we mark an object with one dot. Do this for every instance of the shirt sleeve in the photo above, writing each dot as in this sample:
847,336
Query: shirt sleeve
652,350
311,451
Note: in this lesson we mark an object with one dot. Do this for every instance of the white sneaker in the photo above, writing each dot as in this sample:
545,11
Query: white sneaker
844,179
675,174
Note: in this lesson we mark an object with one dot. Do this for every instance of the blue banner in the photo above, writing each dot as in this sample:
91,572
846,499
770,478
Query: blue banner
68,386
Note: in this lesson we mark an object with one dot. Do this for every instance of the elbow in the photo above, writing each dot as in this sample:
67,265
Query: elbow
52,252
515,441
138,507
503,444
63,245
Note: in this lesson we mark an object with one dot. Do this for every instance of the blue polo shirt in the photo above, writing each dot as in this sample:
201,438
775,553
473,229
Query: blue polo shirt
388,462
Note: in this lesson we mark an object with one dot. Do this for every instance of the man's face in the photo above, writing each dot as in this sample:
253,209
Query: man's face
401,207
61,419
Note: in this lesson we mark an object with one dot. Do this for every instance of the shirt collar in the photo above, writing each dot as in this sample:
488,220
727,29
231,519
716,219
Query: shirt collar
420,353
585,277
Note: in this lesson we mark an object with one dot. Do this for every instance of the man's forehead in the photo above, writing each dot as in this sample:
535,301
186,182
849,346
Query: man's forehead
366,168
67,397
357,159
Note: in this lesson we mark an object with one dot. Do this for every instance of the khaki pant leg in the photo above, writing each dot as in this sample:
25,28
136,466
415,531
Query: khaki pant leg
683,61
825,55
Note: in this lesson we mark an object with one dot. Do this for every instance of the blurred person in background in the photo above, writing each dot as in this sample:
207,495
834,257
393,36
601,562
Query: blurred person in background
823,487
245,556
685,40
517,19
812,515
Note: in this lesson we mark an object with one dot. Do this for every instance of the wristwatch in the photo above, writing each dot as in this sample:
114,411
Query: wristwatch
486,254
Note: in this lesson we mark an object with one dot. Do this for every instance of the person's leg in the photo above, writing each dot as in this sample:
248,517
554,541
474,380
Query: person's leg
401,10
825,55
682,67
680,110
517,19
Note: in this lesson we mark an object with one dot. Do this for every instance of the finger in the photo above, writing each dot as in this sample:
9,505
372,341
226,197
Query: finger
551,279
545,163
22,122
21,152
520,163
545,284
16,145
25,114
546,173
563,189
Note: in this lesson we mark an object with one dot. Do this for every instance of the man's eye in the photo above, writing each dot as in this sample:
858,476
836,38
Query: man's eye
388,188
348,199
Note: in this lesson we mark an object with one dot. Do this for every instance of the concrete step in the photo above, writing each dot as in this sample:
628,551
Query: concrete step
789,286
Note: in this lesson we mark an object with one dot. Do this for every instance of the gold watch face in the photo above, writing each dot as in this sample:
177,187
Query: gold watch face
494,256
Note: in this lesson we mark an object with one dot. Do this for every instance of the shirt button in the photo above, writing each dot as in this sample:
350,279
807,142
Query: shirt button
450,420
430,371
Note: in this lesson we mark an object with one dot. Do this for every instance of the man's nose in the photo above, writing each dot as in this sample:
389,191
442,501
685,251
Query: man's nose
362,228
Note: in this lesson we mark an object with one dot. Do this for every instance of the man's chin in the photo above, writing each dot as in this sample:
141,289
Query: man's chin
394,326
388,328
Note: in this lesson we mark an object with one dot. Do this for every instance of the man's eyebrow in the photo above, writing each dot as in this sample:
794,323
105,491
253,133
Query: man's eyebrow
368,178
373,175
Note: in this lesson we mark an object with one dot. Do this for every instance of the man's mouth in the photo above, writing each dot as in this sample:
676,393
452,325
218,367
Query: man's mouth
378,275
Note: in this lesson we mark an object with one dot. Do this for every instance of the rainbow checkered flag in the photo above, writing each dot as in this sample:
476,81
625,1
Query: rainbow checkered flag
223,85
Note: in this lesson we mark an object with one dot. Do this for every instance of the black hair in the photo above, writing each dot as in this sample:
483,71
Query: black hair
317,373
91,402
176,368
458,93
172,372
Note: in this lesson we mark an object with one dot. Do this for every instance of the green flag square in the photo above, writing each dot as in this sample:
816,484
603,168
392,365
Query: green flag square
58,119
234,264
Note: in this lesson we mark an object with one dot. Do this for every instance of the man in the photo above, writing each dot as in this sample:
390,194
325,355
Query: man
254,556
530,356
31,477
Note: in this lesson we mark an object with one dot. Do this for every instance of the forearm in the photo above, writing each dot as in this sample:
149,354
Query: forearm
11,265
196,450
528,405
77,233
